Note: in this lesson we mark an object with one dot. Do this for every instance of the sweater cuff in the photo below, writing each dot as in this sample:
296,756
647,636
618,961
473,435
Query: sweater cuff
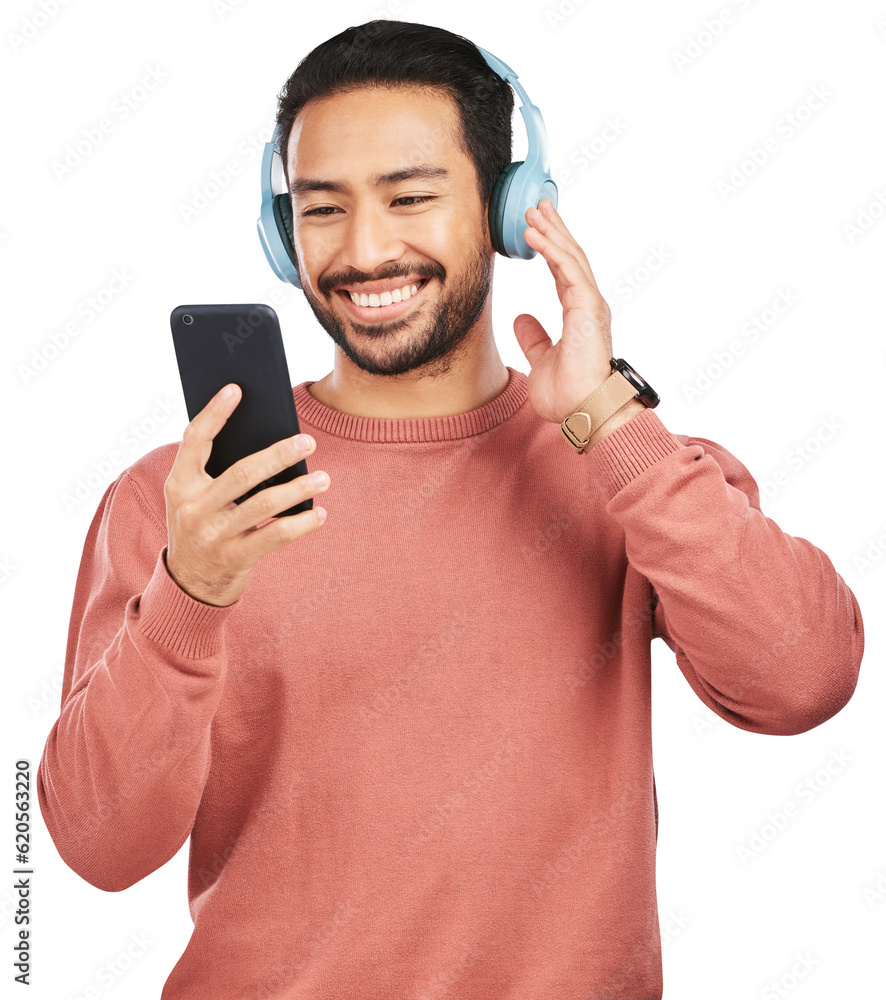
170,616
629,450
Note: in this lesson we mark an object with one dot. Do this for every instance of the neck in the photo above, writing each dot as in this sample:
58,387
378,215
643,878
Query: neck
469,378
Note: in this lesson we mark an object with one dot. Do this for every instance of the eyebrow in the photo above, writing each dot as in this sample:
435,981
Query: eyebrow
301,185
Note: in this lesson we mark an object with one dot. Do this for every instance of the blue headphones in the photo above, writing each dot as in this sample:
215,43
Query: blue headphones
520,186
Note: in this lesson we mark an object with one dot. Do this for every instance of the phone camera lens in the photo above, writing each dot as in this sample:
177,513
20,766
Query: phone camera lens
187,319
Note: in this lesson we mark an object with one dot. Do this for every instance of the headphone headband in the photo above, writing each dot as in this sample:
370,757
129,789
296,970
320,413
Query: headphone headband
519,187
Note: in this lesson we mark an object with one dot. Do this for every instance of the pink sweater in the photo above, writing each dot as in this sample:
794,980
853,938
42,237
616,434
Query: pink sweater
414,758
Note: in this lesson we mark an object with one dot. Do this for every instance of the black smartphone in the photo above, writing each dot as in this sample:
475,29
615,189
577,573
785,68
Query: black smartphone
217,344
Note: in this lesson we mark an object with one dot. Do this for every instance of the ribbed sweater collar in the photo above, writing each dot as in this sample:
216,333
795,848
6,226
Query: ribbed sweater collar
392,430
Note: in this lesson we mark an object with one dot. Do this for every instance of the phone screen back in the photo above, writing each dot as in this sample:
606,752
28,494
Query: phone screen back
243,344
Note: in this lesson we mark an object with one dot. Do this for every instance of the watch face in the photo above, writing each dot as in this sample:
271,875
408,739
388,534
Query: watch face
645,392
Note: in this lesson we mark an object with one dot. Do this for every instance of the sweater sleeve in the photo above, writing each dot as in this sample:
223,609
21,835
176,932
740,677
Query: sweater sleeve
764,629
124,765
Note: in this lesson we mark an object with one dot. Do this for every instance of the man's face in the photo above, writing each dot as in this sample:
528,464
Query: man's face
382,235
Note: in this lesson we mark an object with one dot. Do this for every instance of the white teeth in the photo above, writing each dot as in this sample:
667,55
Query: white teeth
384,298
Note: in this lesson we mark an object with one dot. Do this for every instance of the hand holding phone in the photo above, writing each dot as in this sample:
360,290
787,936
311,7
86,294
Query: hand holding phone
214,544
220,343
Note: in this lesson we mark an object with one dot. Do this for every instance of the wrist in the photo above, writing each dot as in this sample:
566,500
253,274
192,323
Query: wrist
621,396
622,416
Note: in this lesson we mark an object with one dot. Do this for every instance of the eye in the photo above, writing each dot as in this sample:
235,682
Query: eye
318,211
416,198
413,199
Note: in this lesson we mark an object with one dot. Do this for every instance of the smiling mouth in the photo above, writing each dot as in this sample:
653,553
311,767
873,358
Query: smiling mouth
391,307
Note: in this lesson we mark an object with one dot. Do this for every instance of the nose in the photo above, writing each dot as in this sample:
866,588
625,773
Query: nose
370,239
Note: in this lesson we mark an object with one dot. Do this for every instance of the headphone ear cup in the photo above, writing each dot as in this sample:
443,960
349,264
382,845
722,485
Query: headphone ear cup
283,218
497,204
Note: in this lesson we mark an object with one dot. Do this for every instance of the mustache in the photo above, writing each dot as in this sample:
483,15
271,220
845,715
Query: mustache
331,281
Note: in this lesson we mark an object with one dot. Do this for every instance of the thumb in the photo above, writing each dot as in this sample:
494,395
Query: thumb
532,338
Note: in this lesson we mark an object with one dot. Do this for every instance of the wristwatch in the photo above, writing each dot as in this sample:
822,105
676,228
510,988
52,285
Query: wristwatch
622,385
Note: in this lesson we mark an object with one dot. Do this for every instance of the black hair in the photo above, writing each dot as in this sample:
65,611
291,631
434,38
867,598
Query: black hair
402,53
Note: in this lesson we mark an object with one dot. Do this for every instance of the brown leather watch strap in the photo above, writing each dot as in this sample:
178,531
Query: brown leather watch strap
612,395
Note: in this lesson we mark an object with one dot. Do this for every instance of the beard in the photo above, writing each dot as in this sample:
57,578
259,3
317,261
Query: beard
435,342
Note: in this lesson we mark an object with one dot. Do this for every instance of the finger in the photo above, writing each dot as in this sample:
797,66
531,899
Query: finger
546,207
532,337
270,501
197,438
255,468
578,293
262,541
547,220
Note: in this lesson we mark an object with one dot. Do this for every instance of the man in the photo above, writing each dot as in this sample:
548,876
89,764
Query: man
413,750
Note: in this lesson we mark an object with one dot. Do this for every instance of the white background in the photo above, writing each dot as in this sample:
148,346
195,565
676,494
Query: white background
77,412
